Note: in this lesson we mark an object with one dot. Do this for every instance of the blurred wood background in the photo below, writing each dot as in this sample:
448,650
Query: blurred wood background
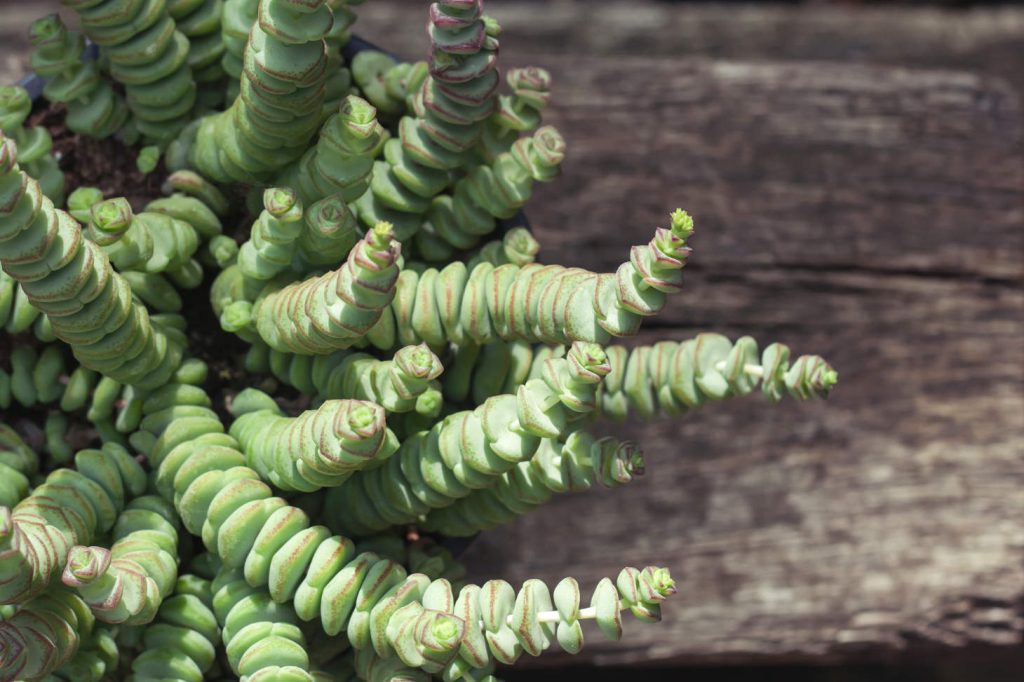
857,177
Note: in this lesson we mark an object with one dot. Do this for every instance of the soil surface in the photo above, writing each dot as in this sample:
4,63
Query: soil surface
105,164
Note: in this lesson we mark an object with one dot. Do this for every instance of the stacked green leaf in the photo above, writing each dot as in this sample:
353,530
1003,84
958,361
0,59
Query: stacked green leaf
538,303
182,640
70,279
278,110
452,99
471,449
148,55
34,144
73,506
199,21
557,467
93,107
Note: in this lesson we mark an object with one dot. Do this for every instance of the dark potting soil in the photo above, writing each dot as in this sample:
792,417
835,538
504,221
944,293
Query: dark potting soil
87,162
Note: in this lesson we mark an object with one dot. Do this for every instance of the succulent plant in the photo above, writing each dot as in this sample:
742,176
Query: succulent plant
241,419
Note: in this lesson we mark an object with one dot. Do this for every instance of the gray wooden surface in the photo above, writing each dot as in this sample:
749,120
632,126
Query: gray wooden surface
858,183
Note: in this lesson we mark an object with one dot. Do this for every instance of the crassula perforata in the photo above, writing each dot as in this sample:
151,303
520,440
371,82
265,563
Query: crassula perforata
408,373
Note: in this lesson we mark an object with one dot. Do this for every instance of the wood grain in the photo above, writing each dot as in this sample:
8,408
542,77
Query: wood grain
983,39
873,215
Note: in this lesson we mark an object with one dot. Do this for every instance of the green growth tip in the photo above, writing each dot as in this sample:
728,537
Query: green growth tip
236,316
362,417
358,111
44,28
682,224
445,630
112,215
85,564
382,234
663,582
279,200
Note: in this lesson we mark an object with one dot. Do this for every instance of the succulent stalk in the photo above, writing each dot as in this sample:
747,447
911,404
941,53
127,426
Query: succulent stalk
648,381
71,281
341,162
262,639
148,55
34,144
454,96
490,192
536,303
183,637
200,22
385,82
517,113
338,308
318,449
278,110
272,244
671,378
236,21
572,466
93,107
127,583
471,449
407,382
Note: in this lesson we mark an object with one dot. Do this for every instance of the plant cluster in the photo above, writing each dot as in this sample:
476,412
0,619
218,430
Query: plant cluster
409,373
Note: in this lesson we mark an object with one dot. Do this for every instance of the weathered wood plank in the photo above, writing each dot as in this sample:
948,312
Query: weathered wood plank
985,39
885,521
830,166
875,216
